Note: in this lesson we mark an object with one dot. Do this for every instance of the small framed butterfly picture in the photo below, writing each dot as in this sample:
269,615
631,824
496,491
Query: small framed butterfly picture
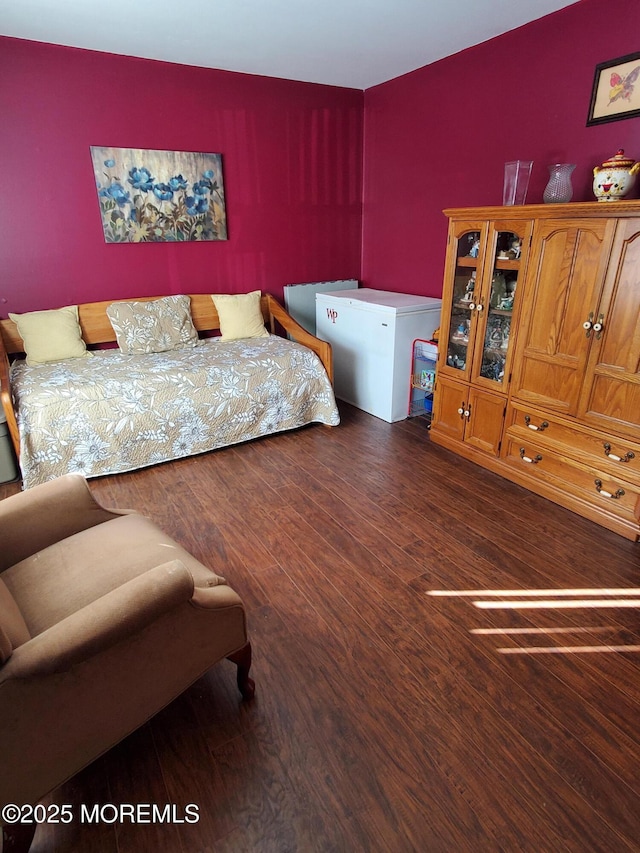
616,90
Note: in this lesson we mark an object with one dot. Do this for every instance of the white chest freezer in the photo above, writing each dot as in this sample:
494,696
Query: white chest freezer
371,333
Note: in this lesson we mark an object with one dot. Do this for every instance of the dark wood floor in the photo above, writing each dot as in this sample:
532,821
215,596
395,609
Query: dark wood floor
386,718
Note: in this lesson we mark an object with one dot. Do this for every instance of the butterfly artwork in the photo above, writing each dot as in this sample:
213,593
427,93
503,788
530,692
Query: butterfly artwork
616,90
622,87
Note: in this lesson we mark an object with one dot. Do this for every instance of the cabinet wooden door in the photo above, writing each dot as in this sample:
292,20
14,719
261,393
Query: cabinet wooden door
449,404
468,415
565,278
610,397
485,421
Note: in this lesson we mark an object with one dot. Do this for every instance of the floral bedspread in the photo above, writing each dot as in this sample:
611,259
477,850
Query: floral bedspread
112,412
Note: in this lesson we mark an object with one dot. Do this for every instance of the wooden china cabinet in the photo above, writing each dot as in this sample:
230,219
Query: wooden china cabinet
538,375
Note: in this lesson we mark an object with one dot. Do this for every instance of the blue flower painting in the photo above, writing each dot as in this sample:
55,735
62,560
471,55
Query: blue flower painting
151,196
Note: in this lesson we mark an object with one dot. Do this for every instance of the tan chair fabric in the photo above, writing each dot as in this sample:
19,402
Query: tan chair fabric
103,621
12,623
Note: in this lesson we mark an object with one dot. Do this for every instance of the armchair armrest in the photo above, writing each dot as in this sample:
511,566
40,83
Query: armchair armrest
6,399
114,617
48,513
321,348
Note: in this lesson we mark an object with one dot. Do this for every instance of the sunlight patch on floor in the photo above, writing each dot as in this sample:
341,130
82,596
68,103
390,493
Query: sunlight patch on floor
507,593
548,604
586,630
538,599
565,650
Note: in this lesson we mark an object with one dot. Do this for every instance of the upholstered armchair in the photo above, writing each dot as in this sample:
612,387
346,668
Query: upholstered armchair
103,621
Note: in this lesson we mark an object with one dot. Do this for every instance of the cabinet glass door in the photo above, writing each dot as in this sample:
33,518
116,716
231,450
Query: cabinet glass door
502,271
465,294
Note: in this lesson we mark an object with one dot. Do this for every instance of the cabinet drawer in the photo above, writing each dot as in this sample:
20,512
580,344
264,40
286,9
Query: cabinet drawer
618,457
594,485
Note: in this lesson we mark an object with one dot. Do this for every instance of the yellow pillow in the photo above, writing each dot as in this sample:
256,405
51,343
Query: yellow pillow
240,315
51,335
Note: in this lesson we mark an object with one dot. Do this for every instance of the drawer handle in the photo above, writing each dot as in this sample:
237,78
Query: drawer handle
619,492
540,428
528,459
610,455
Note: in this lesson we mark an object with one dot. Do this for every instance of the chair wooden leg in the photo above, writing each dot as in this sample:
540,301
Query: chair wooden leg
242,659
17,837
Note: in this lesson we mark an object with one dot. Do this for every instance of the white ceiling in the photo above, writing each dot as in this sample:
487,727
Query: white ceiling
354,43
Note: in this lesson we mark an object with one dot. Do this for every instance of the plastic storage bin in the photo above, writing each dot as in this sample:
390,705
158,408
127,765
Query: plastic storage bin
8,468
423,377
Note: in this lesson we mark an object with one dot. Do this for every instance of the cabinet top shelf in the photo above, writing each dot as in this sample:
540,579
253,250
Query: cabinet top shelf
504,215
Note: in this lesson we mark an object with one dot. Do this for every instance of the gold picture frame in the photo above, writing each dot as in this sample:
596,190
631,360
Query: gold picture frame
616,90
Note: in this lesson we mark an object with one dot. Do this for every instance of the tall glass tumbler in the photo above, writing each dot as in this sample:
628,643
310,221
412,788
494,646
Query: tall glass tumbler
516,181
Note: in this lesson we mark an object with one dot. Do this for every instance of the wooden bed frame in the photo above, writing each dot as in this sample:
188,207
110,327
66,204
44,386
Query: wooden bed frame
96,330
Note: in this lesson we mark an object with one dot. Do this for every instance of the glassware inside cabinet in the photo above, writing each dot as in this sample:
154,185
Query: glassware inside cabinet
504,281
464,293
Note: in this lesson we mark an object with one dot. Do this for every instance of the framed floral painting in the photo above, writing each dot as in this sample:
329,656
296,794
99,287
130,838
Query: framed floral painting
149,196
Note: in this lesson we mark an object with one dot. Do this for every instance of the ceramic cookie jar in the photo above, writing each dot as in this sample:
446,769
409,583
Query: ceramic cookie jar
614,179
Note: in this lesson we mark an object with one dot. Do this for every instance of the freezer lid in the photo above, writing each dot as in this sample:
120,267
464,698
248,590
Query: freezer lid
369,299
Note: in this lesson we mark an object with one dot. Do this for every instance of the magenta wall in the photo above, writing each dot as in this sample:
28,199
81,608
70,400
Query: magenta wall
292,164
439,137
293,159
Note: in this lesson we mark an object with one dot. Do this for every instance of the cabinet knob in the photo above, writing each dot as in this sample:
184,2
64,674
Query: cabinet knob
479,307
588,324
599,326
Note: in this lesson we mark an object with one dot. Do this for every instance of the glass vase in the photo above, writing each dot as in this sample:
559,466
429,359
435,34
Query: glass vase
559,189
516,181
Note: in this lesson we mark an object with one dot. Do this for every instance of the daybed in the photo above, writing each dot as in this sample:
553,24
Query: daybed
115,412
